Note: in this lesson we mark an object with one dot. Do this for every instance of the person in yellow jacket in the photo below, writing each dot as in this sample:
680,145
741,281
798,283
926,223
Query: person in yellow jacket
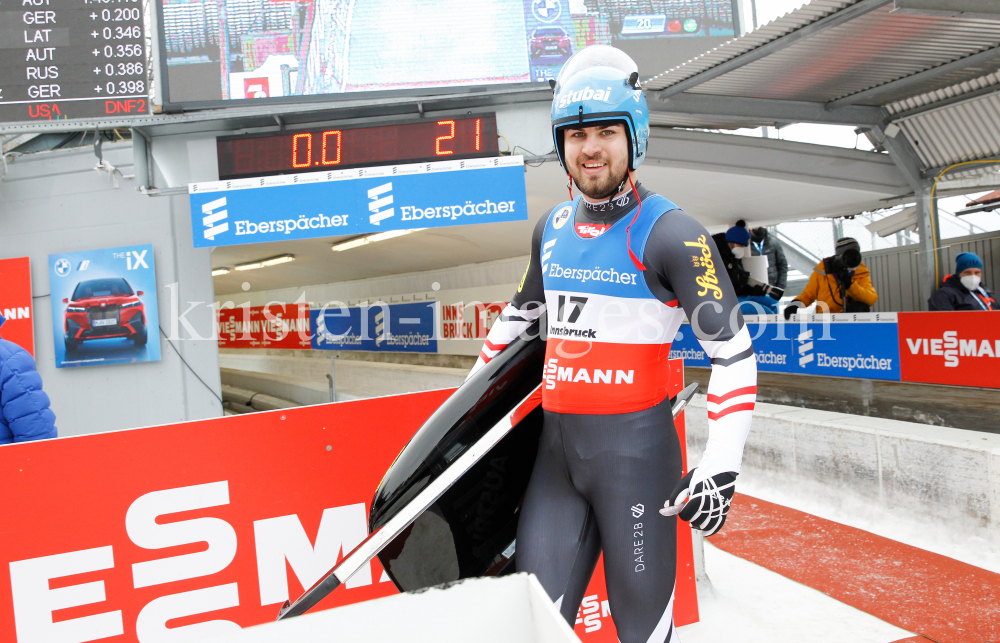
841,282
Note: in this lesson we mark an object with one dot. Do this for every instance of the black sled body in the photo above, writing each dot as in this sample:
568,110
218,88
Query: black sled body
469,531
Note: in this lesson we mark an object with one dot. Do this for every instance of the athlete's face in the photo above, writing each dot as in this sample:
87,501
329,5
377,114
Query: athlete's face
597,159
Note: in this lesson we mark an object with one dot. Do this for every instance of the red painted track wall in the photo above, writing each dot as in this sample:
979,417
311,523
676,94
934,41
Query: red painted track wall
128,533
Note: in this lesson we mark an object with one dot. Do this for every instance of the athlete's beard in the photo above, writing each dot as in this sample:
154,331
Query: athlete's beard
601,188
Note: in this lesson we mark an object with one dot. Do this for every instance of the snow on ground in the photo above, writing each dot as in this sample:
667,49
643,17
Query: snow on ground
895,525
751,604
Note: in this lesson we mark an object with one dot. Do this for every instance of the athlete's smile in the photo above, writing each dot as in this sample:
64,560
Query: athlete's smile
594,168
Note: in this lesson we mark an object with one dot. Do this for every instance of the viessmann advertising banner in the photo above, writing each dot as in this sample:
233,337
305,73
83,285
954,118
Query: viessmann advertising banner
275,326
16,304
951,348
957,348
358,201
408,328
104,306
162,534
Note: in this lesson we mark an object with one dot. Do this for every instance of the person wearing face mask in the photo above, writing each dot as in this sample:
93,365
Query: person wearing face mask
763,244
755,297
841,282
964,290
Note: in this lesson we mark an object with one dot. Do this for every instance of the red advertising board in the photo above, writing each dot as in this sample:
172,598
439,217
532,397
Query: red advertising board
15,303
469,320
186,530
130,534
275,326
960,348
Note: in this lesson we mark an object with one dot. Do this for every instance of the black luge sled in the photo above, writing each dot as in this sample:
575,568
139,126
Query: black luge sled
447,508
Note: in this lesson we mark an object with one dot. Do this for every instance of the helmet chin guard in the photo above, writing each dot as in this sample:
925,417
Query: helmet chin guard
601,84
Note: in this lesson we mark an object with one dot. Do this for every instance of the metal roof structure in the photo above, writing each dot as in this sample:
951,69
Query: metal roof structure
868,63
920,77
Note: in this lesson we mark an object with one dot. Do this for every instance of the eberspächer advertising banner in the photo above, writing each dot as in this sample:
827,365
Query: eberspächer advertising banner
866,347
407,328
104,306
358,201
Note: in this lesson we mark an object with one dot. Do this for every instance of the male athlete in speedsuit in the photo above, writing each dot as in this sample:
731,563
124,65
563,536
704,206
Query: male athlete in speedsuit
616,280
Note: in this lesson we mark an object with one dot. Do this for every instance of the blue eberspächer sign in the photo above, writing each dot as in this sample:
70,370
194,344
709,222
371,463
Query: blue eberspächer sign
406,328
862,345
358,201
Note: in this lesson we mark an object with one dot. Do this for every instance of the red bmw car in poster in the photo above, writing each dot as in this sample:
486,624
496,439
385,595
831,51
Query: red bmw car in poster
103,309
104,306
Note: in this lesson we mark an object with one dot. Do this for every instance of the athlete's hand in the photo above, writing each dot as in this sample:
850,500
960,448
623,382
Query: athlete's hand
705,503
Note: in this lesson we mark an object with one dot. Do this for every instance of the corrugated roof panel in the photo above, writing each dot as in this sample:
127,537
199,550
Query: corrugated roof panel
971,76
961,132
778,27
938,95
868,51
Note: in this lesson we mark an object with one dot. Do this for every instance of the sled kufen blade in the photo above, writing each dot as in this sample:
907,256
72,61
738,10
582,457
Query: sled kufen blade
682,399
676,407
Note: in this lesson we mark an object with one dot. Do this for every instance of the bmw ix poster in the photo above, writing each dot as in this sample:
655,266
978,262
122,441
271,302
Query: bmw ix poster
104,306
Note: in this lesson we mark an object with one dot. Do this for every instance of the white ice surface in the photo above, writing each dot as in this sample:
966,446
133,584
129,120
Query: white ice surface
750,604
893,524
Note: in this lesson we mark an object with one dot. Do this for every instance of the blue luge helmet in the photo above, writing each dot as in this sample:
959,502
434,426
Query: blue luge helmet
601,84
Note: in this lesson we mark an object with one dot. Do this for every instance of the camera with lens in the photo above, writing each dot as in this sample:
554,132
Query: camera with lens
842,263
841,267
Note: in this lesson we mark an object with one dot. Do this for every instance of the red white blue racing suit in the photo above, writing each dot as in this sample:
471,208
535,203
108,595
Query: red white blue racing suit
609,454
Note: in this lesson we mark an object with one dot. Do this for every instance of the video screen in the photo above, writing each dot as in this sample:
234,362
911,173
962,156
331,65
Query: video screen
220,50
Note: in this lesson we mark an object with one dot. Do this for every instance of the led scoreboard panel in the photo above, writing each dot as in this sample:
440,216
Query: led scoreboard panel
277,49
72,59
454,137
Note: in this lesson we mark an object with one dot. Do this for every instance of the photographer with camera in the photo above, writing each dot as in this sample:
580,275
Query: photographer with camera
842,282
733,249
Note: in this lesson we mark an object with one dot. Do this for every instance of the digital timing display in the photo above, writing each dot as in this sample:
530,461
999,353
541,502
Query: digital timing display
430,139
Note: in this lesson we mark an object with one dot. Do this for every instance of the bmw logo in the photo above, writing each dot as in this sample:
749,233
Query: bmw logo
63,267
546,10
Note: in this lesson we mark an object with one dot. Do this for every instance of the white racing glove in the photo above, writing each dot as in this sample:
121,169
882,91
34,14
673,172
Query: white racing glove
704,503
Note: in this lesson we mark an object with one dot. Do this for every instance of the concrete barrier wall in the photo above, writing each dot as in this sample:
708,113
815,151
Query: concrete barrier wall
298,391
355,379
948,477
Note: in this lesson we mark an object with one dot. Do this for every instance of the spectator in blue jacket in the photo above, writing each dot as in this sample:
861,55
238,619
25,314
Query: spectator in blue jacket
964,289
24,406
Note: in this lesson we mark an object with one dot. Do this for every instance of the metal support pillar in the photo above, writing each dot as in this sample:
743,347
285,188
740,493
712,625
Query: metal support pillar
332,378
141,160
928,265
838,231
